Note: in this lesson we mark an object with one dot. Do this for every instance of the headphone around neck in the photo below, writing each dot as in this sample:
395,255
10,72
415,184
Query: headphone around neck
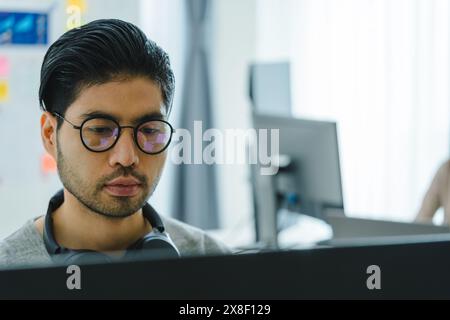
157,240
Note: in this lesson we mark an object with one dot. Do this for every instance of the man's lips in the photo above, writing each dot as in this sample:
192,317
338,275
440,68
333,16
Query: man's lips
123,187
123,182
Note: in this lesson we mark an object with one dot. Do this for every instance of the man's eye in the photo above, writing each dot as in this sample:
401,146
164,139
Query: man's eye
149,131
100,130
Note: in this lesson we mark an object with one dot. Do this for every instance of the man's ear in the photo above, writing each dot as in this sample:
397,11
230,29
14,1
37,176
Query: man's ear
48,133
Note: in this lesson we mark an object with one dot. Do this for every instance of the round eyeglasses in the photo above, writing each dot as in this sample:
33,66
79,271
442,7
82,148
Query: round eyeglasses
99,134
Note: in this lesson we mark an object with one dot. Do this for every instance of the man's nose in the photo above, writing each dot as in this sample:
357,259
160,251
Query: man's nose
125,150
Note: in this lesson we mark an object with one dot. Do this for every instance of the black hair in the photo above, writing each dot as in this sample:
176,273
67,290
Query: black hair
96,53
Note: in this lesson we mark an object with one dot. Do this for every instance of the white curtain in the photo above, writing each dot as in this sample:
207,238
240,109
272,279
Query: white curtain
164,22
380,69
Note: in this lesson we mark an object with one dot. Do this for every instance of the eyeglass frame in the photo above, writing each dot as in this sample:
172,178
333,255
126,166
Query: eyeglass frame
135,129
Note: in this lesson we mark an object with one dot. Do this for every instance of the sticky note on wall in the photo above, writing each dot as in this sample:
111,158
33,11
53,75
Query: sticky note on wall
48,164
4,90
4,66
81,4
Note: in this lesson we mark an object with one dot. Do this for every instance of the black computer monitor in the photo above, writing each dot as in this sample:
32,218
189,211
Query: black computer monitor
311,174
414,267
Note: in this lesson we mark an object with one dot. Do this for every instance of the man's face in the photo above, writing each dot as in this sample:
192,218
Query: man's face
84,173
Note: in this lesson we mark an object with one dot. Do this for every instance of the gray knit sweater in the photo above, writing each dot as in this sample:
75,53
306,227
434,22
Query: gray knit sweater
26,246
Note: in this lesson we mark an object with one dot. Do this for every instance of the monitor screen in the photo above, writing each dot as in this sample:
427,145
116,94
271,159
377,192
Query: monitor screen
312,177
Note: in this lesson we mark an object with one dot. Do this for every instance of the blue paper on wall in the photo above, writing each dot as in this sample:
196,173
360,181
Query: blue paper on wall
23,28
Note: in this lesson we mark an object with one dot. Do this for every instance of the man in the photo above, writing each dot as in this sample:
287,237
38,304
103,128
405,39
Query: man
106,92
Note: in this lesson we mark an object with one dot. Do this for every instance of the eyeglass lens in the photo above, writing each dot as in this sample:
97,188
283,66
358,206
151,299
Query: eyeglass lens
99,134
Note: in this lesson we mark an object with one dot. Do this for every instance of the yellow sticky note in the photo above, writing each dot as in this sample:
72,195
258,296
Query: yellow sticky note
4,90
81,4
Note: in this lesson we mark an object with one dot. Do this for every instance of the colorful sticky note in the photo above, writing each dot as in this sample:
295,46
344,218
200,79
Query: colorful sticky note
4,66
81,4
48,164
4,90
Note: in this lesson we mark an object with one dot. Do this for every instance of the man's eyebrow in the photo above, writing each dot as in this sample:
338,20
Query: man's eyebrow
148,116
91,114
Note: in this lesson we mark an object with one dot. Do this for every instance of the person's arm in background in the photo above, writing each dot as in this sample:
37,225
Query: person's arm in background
433,198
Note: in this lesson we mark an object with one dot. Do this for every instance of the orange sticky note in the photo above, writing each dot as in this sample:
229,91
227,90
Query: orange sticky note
48,164
4,90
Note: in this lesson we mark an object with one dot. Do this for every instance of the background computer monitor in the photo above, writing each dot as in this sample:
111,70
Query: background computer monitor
313,175
270,88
